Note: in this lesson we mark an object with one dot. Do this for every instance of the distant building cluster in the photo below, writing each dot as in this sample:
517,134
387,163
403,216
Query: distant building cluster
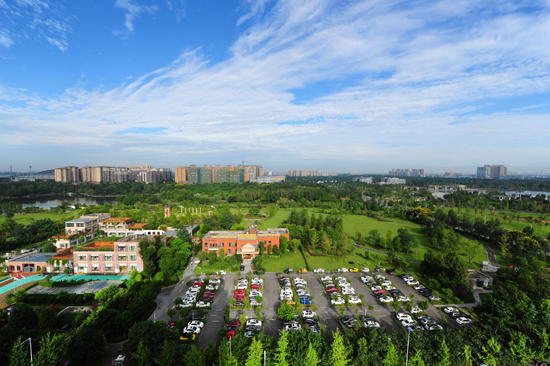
217,174
492,171
108,174
303,173
407,173
363,179
392,180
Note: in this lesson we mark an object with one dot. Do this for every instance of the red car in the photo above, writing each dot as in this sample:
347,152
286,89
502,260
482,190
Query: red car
379,292
197,284
231,334
241,291
233,323
256,287
208,295
210,292
331,289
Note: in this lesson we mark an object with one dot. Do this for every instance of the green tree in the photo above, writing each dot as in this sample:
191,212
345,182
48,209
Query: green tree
255,353
49,248
467,355
171,313
86,345
171,354
311,358
473,249
281,353
20,353
23,316
392,356
491,352
52,350
417,360
362,351
338,351
194,356
286,312
442,354
47,318
142,355
519,348
283,244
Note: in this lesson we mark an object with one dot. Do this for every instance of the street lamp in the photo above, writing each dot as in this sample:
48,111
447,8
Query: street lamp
408,339
30,343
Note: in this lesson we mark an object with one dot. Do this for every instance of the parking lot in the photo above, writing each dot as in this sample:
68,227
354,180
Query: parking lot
215,318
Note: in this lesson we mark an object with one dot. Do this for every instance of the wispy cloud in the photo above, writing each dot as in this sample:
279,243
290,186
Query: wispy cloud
413,78
5,39
178,7
132,11
535,106
254,7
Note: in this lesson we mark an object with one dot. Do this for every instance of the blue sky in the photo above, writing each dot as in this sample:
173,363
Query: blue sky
346,86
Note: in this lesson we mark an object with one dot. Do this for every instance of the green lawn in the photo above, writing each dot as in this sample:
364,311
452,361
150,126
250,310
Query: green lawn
330,263
289,260
26,219
205,267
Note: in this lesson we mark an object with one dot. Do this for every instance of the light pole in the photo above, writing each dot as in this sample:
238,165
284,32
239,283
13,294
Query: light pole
408,339
30,343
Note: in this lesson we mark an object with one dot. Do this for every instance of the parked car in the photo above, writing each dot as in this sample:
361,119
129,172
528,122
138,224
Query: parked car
234,323
305,301
231,334
389,271
450,310
188,336
242,268
289,270
339,301
354,270
408,323
416,310
318,270
463,320
403,316
192,329
196,323
202,304
365,270
343,269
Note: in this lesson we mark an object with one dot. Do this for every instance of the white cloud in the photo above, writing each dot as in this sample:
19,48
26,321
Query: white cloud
395,84
5,39
255,7
133,11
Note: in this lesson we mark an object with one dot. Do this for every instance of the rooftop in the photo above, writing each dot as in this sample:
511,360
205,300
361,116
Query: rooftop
35,258
476,274
82,219
118,220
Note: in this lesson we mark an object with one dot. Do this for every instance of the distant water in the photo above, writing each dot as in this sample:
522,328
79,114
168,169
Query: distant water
54,201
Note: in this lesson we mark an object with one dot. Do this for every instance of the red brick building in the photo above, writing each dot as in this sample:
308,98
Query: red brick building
245,243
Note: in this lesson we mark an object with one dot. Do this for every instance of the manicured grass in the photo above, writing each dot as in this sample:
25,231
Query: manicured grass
205,267
289,260
275,221
26,219
331,263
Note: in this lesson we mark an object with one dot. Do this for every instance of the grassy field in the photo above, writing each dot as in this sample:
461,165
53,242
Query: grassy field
26,219
289,260
205,267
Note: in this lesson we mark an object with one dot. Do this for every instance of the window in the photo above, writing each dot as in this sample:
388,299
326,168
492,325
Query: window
82,257
269,242
133,267
133,257
82,268
229,251
38,268
95,267
108,258
95,258
122,257
230,245
108,267
121,248
132,248
223,245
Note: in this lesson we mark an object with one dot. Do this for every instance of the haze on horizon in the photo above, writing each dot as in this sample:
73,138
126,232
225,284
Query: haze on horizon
343,86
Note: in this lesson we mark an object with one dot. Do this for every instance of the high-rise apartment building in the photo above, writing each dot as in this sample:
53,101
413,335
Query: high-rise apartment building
407,173
495,171
218,174
106,174
483,172
303,173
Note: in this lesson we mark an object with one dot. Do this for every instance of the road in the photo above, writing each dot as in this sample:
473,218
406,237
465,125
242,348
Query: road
215,318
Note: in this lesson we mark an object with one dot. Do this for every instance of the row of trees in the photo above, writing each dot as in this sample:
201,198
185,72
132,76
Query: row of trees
14,235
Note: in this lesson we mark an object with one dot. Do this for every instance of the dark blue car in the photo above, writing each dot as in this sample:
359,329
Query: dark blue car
305,301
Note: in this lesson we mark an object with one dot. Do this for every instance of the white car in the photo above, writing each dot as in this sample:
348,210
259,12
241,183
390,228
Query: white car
416,310
241,287
408,278
419,287
326,278
403,316
195,323
403,298
249,334
463,320
365,270
386,283
340,301
254,322
343,269
192,329
450,310
379,278
376,288
221,272
354,300
194,289
283,298
255,293
187,304
348,291
318,270
386,299
201,304
211,288
301,293
371,324
293,327
298,281
435,327
308,314
408,323
257,280
412,283
389,288
215,281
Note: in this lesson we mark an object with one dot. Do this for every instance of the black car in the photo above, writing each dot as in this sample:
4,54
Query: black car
242,268
233,328
311,321
238,303
288,270
389,271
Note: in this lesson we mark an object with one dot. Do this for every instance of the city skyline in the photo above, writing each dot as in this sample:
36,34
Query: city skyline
377,86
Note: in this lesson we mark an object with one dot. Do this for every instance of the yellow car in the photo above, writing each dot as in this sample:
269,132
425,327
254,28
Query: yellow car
302,270
290,302
354,270
188,337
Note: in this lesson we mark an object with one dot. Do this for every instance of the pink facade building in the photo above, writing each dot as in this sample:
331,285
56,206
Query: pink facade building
107,257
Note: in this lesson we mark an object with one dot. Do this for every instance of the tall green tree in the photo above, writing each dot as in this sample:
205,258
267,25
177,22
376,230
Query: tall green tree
442,354
170,355
47,318
194,356
362,351
311,357
491,352
519,348
20,353
467,355
255,353
416,360
392,356
281,353
142,355
338,355
52,350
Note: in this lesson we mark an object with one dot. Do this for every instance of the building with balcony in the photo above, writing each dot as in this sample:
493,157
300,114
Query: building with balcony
107,257
127,226
37,262
245,242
